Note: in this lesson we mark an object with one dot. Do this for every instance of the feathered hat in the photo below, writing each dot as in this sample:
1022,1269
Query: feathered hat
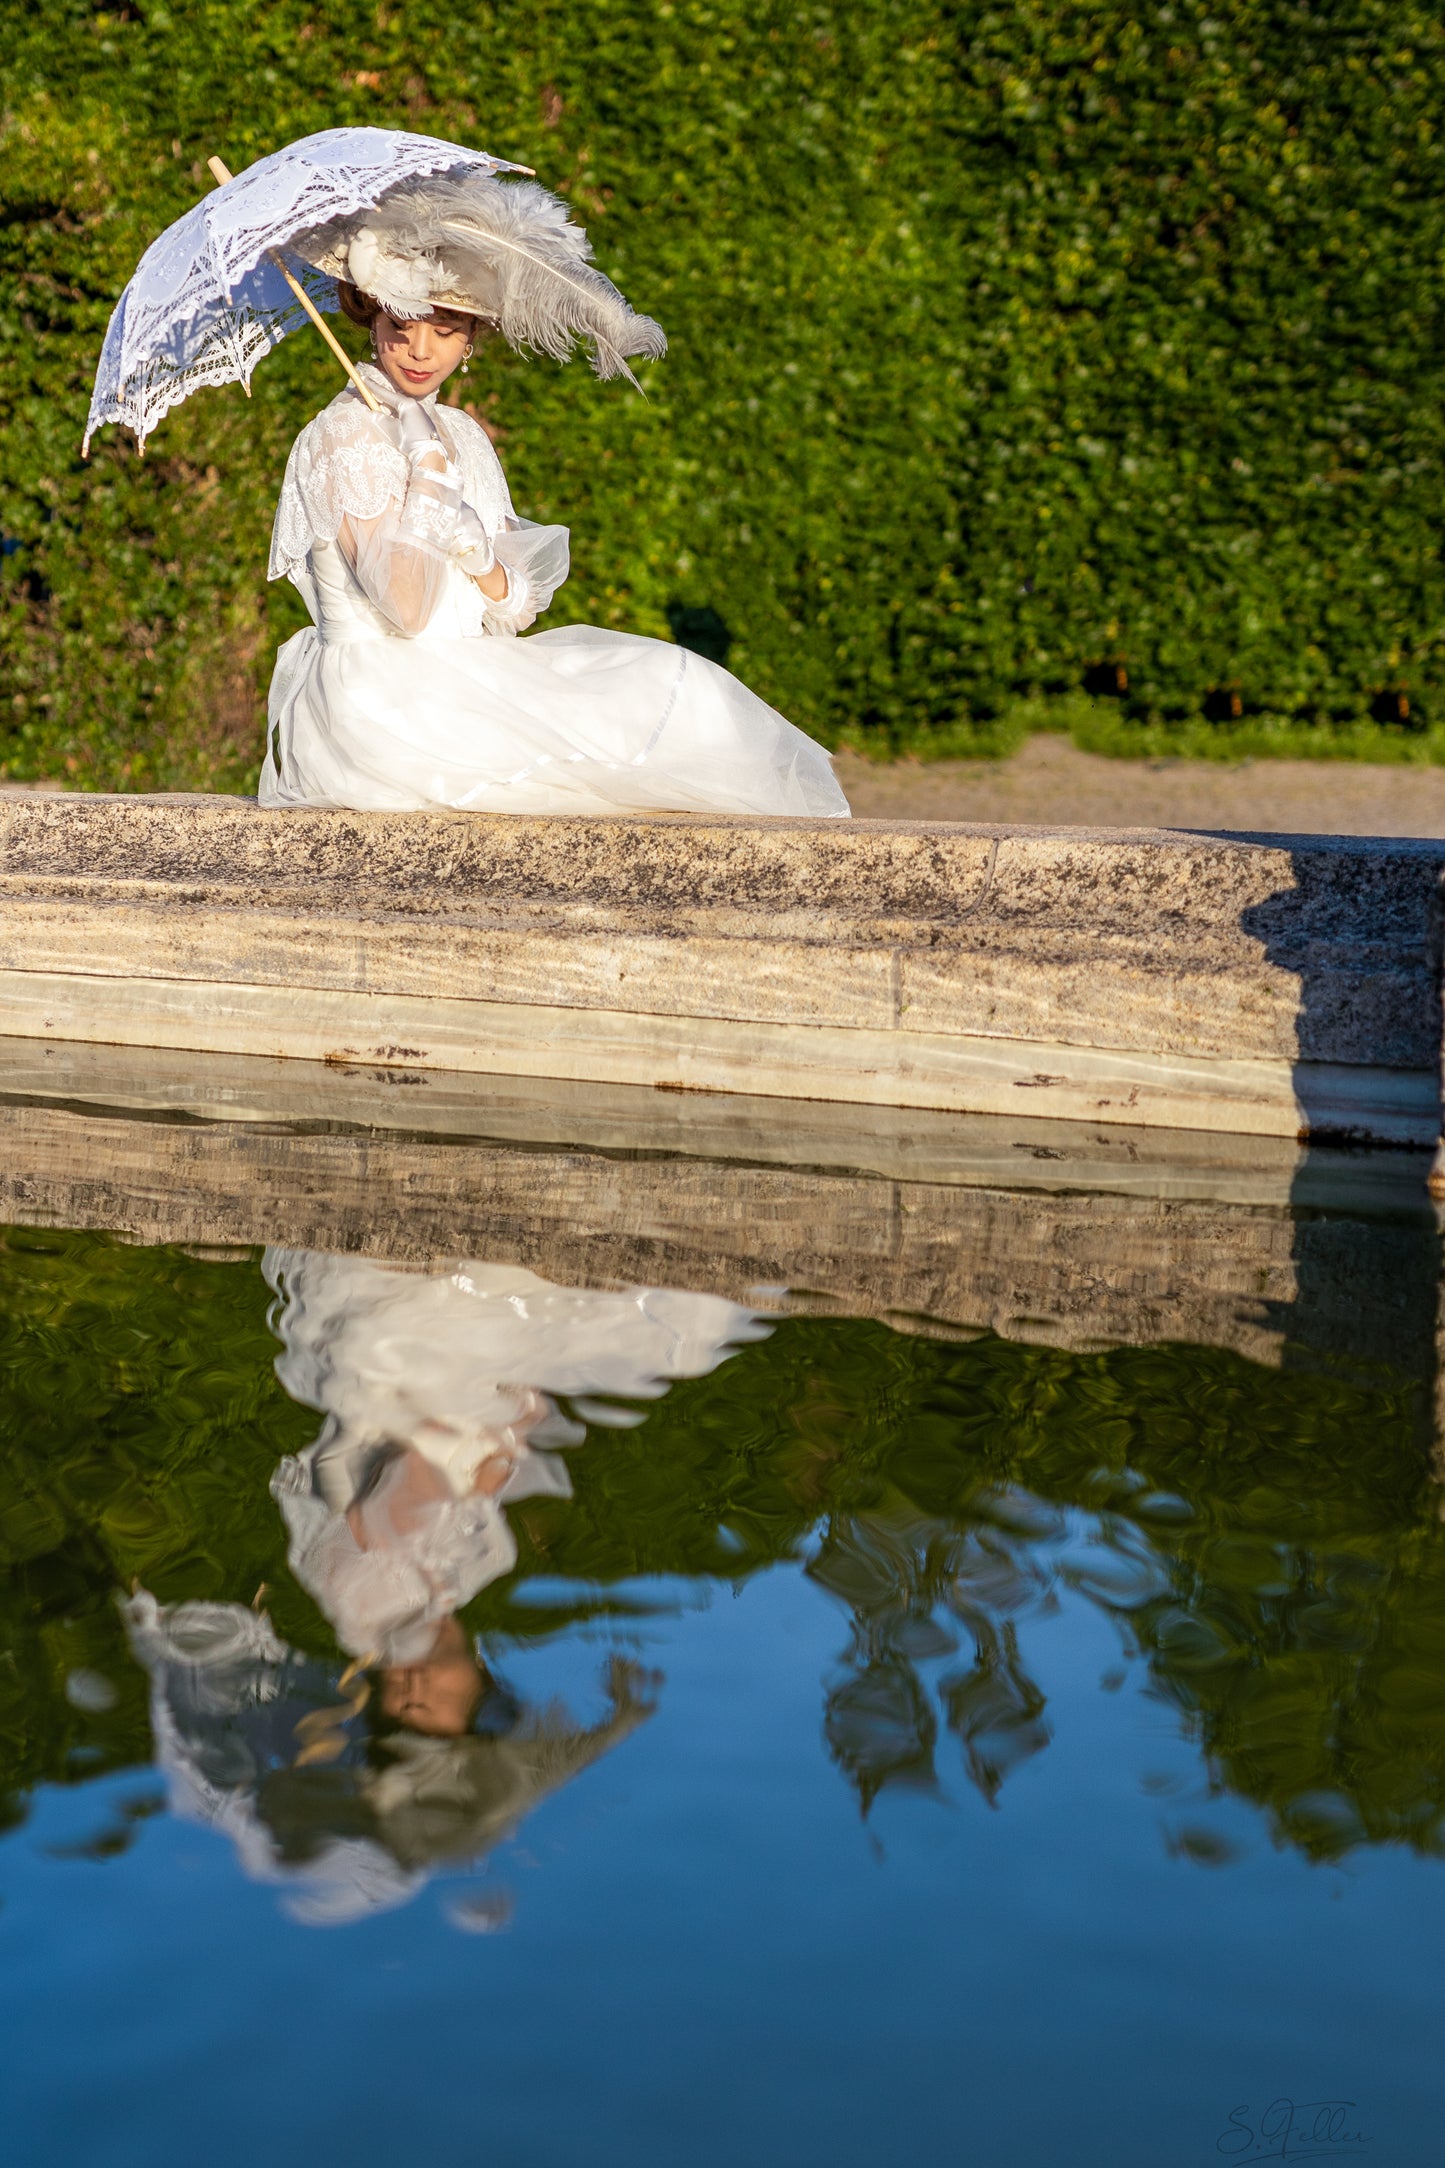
504,251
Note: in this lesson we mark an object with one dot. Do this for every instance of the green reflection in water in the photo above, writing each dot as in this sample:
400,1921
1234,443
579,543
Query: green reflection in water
1268,1543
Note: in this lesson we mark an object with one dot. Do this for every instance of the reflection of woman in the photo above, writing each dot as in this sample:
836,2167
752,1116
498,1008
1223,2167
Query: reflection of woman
436,1388
410,688
392,1534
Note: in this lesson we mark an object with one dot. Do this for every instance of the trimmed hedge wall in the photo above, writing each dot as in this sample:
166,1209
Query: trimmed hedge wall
1019,349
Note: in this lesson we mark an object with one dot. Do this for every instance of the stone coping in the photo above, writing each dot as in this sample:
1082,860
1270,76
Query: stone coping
1274,985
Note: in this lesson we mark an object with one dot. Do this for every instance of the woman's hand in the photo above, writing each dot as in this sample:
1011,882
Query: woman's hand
473,545
410,430
416,432
476,556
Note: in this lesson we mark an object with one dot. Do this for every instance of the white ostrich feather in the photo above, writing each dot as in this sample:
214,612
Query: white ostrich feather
506,252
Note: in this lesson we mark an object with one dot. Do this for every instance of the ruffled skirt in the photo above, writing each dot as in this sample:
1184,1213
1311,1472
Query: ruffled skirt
576,720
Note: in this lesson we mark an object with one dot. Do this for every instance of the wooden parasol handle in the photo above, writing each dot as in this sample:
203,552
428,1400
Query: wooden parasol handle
223,174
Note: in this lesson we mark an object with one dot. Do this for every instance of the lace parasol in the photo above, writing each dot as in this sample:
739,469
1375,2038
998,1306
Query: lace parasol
211,296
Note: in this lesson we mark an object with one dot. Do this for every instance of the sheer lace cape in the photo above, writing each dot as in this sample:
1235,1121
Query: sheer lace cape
342,467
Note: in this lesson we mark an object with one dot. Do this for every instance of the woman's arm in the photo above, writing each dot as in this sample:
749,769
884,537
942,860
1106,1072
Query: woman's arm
403,579
402,557
515,566
493,583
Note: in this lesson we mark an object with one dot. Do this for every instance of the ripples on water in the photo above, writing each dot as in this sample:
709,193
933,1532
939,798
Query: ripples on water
367,1624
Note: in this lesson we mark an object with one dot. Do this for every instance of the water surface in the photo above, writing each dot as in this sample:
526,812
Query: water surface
561,1726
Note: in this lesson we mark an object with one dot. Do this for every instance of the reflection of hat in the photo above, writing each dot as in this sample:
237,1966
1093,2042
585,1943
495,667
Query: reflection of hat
508,252
356,1831
226,1697
436,1800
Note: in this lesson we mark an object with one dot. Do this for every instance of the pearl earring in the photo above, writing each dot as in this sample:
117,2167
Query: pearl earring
465,359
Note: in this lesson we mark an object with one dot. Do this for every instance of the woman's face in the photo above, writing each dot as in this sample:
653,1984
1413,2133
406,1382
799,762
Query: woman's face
439,1696
419,357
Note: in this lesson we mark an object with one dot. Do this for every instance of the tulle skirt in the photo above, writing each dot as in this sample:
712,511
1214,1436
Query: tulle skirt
576,720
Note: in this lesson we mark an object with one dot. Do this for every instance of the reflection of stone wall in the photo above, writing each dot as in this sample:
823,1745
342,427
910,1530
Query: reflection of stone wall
941,1231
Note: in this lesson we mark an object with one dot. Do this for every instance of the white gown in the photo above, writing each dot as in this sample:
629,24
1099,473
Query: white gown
410,690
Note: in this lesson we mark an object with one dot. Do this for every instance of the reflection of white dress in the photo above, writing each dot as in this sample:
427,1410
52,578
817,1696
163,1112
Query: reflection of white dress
409,690
454,1366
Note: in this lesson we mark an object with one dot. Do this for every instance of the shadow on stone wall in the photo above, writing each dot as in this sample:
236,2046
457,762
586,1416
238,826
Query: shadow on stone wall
1367,954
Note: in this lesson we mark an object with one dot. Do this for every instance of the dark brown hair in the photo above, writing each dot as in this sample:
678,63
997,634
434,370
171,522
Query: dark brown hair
364,309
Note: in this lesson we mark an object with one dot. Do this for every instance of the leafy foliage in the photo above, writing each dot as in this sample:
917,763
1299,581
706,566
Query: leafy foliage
1019,346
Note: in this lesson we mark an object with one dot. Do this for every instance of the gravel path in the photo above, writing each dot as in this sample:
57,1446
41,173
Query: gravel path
1052,782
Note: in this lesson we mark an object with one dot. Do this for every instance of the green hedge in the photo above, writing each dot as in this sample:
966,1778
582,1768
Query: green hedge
1018,349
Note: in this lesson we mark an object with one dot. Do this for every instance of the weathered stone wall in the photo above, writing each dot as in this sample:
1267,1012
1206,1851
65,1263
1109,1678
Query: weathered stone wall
1270,986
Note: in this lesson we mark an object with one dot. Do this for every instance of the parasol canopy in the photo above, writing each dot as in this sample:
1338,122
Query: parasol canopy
427,220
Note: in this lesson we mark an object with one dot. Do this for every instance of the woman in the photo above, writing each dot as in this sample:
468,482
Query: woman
410,689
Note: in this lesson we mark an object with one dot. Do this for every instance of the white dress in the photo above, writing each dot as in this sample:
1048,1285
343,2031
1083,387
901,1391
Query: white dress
410,690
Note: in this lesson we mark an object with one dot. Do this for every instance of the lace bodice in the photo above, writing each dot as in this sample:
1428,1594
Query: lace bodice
374,534
343,463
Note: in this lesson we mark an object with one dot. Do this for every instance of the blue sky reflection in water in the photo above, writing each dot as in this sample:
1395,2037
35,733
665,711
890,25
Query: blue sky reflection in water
882,1748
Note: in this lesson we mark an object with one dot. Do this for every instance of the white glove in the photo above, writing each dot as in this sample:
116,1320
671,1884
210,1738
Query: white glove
472,546
409,428
416,431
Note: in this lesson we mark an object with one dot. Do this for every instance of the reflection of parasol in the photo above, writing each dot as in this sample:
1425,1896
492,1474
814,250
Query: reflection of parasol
419,222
